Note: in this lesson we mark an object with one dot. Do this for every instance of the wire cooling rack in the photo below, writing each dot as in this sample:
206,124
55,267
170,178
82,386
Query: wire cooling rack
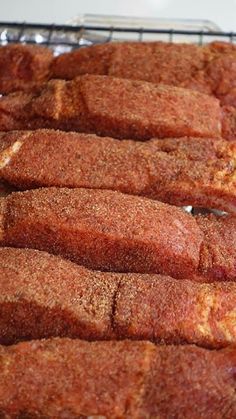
98,29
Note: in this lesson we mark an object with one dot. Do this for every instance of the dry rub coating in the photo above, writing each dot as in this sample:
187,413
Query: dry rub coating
114,107
111,231
218,252
63,378
42,296
210,69
103,230
229,122
192,383
23,66
184,171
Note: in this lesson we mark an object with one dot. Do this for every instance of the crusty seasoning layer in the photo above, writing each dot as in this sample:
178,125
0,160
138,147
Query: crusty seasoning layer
43,296
229,122
65,378
184,171
104,230
23,66
190,382
210,68
218,253
115,107
111,231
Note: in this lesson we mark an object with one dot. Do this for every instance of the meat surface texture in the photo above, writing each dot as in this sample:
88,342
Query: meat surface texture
111,231
43,296
185,171
229,122
209,69
218,256
103,230
110,106
66,378
23,66
132,313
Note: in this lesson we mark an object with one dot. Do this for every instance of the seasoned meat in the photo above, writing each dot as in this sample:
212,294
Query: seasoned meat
23,67
189,382
209,69
179,171
103,230
42,295
218,253
115,107
66,378
111,231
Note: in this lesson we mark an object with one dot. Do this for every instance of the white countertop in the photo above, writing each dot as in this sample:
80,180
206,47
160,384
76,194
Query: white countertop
223,13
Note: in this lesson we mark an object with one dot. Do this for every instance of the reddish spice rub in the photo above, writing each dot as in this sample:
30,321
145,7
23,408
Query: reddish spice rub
210,68
23,66
229,122
111,231
190,382
42,295
68,378
218,252
63,378
115,107
165,310
103,230
155,62
184,171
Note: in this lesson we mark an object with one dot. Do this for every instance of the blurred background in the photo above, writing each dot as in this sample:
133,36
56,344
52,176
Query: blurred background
223,13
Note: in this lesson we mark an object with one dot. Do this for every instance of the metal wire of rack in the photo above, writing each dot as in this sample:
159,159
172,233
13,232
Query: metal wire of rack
67,37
